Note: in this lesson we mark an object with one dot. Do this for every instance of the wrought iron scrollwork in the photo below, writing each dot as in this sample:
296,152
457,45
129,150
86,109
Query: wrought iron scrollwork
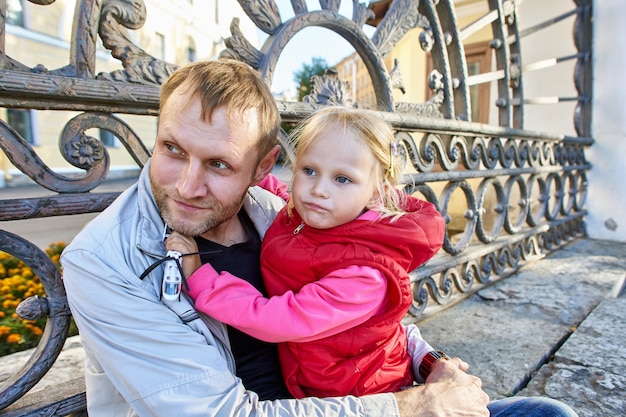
139,66
23,156
281,33
54,306
85,152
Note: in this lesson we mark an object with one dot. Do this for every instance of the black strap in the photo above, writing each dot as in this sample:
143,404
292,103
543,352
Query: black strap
180,267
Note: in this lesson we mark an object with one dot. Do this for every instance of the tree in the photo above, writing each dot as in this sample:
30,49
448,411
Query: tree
302,77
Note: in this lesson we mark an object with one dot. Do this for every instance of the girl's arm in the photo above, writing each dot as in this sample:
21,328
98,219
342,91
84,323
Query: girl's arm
275,186
339,301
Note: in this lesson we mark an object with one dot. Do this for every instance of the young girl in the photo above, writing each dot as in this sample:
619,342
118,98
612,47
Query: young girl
335,262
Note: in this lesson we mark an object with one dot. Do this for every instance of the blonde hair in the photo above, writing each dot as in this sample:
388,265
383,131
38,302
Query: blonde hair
375,133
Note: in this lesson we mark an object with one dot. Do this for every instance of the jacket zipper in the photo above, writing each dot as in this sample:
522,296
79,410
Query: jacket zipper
298,229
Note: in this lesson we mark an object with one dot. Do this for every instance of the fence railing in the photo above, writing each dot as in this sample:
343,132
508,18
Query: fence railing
508,193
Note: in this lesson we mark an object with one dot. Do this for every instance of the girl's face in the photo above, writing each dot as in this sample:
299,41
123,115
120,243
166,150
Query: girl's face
334,180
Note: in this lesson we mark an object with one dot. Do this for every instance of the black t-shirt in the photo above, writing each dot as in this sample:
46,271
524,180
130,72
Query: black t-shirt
257,361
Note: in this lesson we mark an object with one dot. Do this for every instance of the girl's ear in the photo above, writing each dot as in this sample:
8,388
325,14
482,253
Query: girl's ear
375,201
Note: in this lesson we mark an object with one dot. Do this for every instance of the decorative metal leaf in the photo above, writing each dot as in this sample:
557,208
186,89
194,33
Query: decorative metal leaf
230,54
361,13
402,16
299,6
263,13
8,63
330,5
395,75
328,89
143,71
431,108
241,46
139,66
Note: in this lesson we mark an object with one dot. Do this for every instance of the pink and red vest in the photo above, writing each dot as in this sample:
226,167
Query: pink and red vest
371,357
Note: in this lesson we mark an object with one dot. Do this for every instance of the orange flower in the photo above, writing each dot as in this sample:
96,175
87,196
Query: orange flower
36,331
9,304
14,338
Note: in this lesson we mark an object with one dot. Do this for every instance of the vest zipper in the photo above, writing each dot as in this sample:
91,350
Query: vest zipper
297,229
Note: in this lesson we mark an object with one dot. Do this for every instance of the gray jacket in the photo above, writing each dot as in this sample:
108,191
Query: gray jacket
146,358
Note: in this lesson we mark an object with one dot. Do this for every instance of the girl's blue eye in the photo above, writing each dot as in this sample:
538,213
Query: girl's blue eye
343,180
309,171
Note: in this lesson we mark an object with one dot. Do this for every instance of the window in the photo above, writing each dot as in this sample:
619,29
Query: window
478,58
191,51
20,120
15,13
159,43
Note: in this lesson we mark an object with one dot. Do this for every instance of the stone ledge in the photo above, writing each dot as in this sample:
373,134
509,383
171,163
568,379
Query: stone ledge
68,366
588,371
509,331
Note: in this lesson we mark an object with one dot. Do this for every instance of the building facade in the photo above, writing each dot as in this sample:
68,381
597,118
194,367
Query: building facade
173,31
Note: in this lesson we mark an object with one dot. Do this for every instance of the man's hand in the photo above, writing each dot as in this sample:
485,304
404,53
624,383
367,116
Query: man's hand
448,391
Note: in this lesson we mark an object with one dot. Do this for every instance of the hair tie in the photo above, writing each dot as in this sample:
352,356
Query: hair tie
393,152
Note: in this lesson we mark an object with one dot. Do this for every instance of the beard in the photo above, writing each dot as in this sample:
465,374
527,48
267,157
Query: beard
218,214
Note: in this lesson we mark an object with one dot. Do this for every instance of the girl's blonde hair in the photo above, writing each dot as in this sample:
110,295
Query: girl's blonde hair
375,133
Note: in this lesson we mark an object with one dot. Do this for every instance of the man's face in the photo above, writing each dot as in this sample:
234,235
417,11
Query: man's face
200,171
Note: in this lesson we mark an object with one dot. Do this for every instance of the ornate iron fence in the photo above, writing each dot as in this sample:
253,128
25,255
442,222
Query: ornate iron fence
509,194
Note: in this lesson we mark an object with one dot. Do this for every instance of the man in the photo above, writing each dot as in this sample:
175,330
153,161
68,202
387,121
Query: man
151,357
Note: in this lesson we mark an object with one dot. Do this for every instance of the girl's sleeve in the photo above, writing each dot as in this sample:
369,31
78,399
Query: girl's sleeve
275,186
339,301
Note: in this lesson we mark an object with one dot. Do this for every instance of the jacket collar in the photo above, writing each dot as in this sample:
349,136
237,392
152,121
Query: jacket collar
150,225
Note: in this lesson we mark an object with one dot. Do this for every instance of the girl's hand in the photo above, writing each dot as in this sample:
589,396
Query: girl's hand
184,244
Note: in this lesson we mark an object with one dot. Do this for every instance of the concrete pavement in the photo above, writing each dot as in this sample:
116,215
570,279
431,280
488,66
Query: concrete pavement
557,329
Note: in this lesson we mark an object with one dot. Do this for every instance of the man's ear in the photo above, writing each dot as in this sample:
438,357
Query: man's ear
266,164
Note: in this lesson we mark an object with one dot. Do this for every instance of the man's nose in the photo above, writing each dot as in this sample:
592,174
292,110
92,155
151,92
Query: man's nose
192,181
